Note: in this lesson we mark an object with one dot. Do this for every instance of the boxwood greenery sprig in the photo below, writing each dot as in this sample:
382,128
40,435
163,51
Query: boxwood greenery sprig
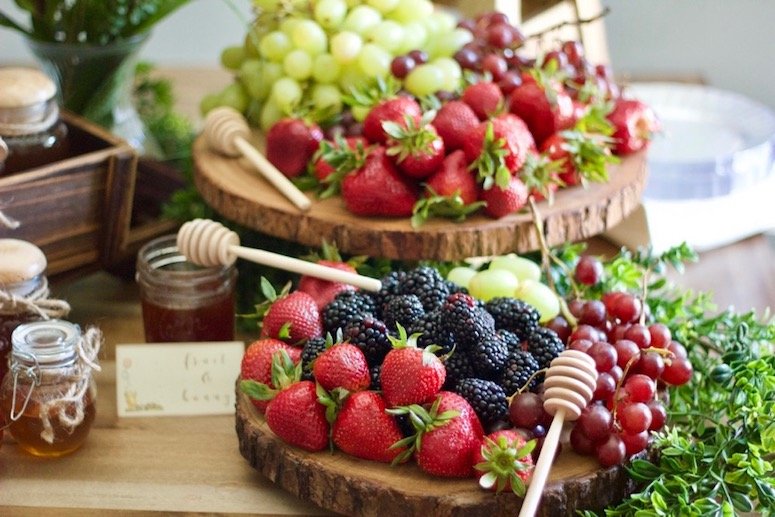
716,455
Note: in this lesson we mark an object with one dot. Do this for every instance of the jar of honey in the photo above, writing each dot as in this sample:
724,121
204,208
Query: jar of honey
48,397
182,301
30,128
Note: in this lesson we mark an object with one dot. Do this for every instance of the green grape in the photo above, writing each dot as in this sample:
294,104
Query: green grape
374,61
298,65
287,94
251,43
288,24
383,6
461,275
209,102
539,296
327,98
387,34
415,36
452,73
445,20
270,114
232,57
492,283
330,13
235,96
522,268
308,35
353,3
450,42
411,10
351,77
251,75
253,113
275,46
424,80
360,112
361,19
346,46
272,6
325,69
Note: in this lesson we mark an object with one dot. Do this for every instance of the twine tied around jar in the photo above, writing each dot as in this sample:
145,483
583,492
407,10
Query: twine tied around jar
37,302
68,407
5,220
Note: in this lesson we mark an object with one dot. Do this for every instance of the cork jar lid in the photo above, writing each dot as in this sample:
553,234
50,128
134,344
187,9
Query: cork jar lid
24,87
21,261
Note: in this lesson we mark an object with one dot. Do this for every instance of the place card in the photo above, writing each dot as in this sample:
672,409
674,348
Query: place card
177,379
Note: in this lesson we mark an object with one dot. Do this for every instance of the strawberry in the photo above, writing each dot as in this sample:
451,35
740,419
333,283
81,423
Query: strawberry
544,105
541,176
293,318
634,124
323,291
257,363
342,366
396,110
504,201
582,156
417,149
321,168
375,187
452,191
504,459
291,143
485,98
410,375
296,416
453,122
448,436
497,149
363,429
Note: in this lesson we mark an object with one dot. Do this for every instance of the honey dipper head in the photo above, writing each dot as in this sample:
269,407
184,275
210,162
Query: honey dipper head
206,243
569,383
222,126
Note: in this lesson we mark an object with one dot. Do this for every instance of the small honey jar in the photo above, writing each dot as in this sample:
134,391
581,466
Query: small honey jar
48,396
31,132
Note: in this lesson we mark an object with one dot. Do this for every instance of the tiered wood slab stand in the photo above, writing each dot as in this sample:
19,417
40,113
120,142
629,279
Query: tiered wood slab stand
351,486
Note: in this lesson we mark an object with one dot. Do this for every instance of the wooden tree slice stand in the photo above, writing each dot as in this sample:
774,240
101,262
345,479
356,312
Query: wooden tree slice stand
348,485
240,194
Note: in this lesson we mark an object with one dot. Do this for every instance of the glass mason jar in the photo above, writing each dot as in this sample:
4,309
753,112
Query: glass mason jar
47,399
30,128
180,300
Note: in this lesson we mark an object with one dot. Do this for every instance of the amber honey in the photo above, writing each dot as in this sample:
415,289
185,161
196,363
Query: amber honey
212,322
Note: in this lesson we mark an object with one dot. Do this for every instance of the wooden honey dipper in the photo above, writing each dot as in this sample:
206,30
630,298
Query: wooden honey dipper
209,243
568,388
227,132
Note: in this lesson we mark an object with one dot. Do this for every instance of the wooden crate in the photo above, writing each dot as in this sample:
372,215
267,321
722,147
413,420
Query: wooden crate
81,211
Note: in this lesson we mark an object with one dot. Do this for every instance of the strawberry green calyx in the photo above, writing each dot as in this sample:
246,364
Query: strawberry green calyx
590,154
343,159
270,296
540,174
490,165
332,400
595,119
284,373
503,463
410,139
372,94
434,205
423,421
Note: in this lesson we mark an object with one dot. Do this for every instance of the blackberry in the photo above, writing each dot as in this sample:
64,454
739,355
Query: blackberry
514,315
486,397
312,349
375,371
390,284
431,333
520,365
545,345
427,284
371,336
512,340
453,288
489,357
344,307
459,367
403,309
468,324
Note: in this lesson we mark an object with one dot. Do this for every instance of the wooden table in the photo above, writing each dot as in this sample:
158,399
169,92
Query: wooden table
190,465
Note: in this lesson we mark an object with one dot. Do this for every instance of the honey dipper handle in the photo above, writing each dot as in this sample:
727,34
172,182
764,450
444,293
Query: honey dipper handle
543,466
272,175
304,267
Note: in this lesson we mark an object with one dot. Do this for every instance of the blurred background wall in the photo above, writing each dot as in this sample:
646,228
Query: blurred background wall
727,44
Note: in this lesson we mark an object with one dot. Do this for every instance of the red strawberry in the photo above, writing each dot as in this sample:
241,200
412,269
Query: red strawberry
293,318
485,98
296,416
541,176
581,156
504,201
418,150
291,143
410,375
363,429
394,110
544,106
504,460
323,291
342,366
634,123
321,168
453,122
497,148
257,363
377,188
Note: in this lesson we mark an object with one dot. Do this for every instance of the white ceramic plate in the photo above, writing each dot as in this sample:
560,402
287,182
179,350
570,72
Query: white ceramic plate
712,143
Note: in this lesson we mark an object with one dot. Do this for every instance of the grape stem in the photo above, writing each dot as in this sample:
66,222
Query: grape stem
527,383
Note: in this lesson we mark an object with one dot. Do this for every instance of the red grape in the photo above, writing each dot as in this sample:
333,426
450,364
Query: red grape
625,350
604,355
616,372
617,332
593,313
468,59
497,18
640,388
635,442
582,345
499,35
526,410
420,56
639,334
580,443
509,82
560,326
634,417
611,452
558,56
589,270
660,335
495,65
650,364
401,66
575,52
625,307
658,415
596,422
677,349
605,388
586,332
678,372
576,307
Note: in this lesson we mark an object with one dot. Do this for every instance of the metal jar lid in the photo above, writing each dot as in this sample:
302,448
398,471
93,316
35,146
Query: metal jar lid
47,344
26,101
